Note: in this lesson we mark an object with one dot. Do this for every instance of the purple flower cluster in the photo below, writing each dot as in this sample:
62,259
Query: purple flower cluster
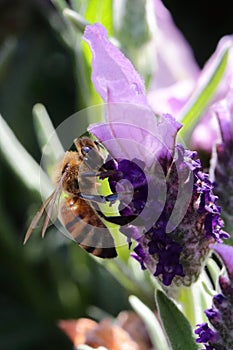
220,316
182,251
161,183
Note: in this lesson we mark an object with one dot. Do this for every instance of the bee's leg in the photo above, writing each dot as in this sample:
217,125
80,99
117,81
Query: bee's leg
119,220
106,173
100,199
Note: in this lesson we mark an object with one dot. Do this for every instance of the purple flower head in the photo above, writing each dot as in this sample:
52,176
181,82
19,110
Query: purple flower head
220,316
173,213
222,160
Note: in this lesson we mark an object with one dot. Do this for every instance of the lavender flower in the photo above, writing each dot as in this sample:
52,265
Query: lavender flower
177,76
180,253
219,336
222,161
162,185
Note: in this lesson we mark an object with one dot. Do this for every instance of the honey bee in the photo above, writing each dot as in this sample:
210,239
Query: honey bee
76,175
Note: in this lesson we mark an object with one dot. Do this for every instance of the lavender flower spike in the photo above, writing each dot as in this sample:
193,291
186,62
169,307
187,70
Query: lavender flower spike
175,214
222,161
219,336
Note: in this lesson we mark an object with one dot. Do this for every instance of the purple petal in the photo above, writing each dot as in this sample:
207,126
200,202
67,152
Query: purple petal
176,70
226,254
172,98
205,133
137,133
205,334
113,74
224,111
175,59
224,44
133,131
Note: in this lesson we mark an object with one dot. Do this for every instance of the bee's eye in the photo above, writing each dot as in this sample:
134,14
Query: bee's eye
86,150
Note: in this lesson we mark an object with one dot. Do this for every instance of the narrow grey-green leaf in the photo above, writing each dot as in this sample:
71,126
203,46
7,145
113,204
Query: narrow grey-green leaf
26,167
201,98
153,327
175,323
76,19
133,31
51,147
60,4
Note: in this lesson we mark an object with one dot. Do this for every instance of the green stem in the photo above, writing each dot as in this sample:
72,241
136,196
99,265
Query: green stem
121,272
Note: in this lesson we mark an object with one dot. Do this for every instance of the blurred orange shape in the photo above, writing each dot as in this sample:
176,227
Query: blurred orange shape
107,334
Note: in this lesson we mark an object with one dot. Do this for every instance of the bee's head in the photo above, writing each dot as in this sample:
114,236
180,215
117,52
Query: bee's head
89,151
84,145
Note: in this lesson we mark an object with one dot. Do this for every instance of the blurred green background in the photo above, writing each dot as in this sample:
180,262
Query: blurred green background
53,278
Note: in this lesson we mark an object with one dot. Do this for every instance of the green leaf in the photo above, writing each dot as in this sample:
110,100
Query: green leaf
176,325
154,329
60,4
133,25
51,147
82,53
76,19
100,11
123,274
96,11
26,168
201,98
135,30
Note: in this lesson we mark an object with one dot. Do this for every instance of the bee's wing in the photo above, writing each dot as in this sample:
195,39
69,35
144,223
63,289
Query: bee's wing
37,218
86,227
50,203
